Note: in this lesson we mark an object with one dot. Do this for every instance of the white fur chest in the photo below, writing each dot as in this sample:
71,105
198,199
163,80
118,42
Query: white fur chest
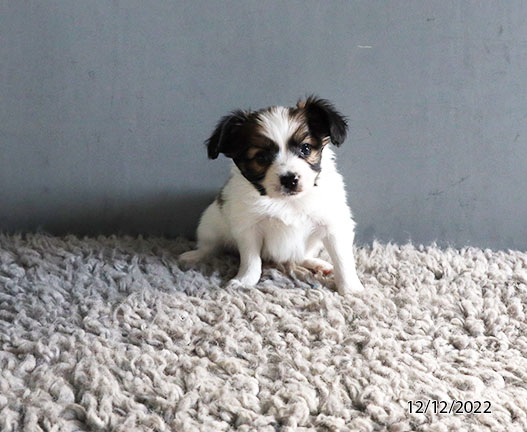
287,241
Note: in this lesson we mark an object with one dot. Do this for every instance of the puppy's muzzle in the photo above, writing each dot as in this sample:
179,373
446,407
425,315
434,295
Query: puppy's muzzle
289,182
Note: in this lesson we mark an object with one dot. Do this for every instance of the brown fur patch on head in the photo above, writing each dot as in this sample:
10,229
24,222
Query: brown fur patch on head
252,151
257,156
314,159
303,136
251,169
301,104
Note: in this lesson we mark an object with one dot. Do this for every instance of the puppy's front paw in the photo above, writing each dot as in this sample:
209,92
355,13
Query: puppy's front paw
352,287
234,284
239,283
246,280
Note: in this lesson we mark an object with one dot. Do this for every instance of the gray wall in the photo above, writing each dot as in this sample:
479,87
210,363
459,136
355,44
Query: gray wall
104,106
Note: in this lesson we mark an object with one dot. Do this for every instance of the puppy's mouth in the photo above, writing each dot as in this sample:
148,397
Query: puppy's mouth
283,192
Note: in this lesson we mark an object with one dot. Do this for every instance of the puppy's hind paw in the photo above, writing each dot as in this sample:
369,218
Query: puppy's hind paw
317,265
191,258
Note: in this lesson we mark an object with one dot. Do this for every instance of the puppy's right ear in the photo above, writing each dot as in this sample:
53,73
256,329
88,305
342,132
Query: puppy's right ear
227,138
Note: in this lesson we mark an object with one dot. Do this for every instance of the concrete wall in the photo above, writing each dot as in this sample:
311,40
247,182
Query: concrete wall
104,107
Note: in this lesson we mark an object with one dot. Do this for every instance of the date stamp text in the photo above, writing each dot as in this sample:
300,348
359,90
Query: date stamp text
449,407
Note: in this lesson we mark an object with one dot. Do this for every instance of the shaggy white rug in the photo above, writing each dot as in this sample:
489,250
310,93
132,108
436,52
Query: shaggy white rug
111,334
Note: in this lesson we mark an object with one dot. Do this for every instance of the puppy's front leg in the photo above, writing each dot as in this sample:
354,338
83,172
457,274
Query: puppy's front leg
339,244
249,247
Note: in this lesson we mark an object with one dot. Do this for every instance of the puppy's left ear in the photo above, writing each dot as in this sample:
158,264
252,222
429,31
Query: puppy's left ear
324,120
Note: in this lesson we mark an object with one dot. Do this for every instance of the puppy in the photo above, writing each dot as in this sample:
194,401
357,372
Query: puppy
285,199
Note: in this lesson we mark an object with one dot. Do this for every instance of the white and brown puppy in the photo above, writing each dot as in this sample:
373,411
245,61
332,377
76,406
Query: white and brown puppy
285,199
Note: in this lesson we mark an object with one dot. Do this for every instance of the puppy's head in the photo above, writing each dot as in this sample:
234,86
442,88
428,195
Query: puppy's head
277,149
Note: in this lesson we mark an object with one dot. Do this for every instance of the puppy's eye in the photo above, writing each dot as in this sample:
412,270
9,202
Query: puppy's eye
305,149
262,158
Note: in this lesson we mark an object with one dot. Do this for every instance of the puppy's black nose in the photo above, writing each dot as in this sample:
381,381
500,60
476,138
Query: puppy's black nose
289,181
